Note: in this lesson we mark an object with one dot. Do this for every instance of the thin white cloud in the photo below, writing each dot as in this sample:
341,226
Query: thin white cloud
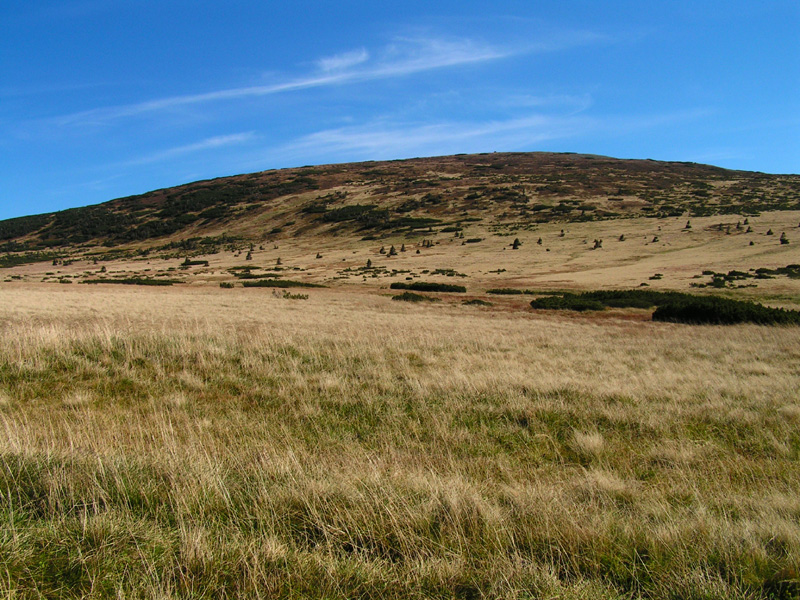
405,56
344,60
206,144
386,140
391,140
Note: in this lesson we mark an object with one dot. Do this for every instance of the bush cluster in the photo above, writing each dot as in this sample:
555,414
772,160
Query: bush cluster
675,307
412,297
279,283
426,286
134,281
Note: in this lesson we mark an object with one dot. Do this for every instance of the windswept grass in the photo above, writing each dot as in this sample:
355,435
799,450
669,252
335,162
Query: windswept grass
329,449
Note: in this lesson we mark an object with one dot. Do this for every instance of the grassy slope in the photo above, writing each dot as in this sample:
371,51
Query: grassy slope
345,446
498,188
191,441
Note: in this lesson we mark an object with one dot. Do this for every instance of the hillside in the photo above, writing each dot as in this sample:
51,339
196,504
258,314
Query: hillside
590,394
412,194
490,221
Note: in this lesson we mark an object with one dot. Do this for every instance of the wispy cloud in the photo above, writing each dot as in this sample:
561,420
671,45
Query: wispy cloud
405,56
386,139
206,144
344,60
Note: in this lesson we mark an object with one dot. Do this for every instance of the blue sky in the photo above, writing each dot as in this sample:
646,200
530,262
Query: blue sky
107,98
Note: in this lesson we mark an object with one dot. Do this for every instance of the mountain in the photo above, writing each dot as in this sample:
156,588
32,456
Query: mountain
379,198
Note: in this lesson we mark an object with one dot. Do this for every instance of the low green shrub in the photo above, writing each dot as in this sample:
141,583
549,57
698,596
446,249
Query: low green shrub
723,311
476,302
674,307
194,263
134,281
412,297
428,286
280,283
566,302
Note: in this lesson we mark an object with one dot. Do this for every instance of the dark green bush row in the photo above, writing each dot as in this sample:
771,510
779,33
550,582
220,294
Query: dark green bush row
134,281
566,302
723,311
280,283
412,297
476,302
428,286
509,291
248,275
673,306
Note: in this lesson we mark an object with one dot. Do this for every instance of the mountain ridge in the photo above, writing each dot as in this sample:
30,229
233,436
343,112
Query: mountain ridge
374,197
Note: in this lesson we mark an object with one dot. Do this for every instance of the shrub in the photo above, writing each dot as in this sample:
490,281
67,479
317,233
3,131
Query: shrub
723,311
134,281
427,286
504,291
280,283
566,302
476,302
226,285
193,263
412,297
288,296
674,306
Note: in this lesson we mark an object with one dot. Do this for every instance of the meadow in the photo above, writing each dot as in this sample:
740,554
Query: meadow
208,443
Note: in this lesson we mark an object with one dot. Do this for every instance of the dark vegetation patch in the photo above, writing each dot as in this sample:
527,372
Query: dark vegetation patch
412,297
721,280
15,260
134,281
675,307
280,283
447,273
22,226
194,263
428,286
476,302
508,291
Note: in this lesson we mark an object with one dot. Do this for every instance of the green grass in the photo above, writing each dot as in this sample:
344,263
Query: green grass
286,460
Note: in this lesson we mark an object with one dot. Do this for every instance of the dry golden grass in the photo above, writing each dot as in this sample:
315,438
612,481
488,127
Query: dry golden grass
166,443
680,256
